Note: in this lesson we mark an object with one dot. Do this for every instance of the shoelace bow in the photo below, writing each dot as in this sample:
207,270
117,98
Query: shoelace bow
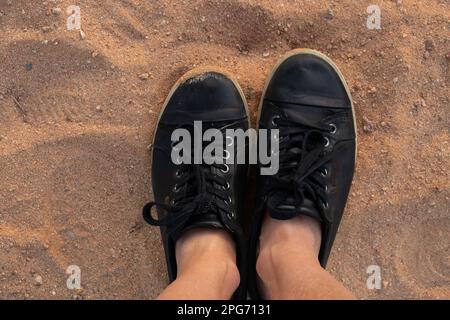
198,191
302,154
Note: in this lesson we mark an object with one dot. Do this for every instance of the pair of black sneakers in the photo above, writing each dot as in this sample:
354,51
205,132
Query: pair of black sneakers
307,100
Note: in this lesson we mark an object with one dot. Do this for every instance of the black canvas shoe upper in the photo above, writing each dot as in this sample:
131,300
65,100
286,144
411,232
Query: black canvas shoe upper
190,196
306,99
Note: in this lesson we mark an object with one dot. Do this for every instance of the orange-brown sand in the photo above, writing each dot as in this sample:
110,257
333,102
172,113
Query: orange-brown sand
77,116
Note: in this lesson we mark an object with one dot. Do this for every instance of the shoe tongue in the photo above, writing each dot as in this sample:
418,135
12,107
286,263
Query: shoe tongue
289,209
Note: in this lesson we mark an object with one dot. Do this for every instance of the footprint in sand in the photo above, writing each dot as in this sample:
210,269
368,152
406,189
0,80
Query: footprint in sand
87,192
427,249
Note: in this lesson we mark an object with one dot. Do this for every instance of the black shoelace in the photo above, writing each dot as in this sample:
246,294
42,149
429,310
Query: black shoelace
303,152
199,191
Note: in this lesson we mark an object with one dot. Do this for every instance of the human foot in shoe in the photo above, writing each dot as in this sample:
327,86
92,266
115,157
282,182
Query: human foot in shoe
307,100
196,196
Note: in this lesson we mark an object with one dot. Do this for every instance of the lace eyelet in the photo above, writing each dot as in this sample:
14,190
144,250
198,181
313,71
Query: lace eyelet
227,154
327,142
231,215
324,172
333,128
326,188
227,186
273,121
226,170
229,201
178,173
325,205
176,188
173,202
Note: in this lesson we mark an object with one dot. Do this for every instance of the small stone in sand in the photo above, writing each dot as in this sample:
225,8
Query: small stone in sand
368,125
144,76
56,11
420,103
38,280
266,54
82,35
373,90
429,45
330,14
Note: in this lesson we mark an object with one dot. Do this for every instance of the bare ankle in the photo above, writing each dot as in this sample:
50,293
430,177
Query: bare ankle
203,241
208,254
270,258
280,241
231,278
301,232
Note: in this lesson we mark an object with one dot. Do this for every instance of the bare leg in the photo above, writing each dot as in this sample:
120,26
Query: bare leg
206,261
288,262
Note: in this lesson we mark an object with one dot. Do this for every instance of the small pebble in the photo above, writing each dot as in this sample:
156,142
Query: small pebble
368,125
144,76
429,45
56,11
420,103
266,54
38,280
82,35
330,14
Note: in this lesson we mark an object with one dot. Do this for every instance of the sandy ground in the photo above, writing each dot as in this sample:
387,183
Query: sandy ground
76,120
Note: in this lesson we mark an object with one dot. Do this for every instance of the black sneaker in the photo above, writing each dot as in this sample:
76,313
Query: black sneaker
190,196
307,99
